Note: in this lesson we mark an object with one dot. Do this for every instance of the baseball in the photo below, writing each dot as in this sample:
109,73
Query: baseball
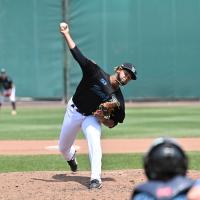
63,25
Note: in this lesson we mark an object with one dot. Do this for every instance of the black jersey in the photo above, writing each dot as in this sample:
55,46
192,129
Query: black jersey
5,83
95,88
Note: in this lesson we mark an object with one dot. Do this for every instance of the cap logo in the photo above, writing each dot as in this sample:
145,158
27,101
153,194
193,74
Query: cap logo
103,81
133,69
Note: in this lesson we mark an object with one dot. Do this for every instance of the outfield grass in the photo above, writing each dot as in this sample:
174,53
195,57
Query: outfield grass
44,123
31,123
57,163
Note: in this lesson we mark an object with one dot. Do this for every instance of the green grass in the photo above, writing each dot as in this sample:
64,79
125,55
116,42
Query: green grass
44,123
40,123
57,163
31,123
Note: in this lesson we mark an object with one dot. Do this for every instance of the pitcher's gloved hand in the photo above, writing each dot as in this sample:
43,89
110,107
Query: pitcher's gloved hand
99,115
106,109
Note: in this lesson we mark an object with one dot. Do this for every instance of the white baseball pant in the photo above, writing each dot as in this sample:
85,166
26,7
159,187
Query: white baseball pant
72,123
12,97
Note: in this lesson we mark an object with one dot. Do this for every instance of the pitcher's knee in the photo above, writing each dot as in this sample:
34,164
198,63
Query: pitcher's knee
62,149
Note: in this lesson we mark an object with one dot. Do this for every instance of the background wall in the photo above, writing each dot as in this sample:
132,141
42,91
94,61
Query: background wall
31,47
161,37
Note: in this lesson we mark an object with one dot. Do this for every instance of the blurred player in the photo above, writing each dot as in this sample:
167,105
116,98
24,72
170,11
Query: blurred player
7,90
165,166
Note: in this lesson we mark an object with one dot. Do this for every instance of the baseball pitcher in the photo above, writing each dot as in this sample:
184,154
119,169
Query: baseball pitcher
97,100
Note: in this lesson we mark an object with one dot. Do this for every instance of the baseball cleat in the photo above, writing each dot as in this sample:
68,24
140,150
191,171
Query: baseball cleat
95,183
73,163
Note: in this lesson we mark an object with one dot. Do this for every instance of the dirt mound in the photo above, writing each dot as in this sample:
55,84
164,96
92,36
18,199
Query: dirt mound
61,185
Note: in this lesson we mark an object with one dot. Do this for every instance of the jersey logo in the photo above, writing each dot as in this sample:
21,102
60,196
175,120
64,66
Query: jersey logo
133,69
103,81
164,192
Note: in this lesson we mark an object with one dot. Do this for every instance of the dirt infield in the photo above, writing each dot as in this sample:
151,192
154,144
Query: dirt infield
61,185
108,146
57,185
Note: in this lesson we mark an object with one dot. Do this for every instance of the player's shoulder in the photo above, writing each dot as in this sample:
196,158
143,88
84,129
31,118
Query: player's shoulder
95,65
93,61
142,196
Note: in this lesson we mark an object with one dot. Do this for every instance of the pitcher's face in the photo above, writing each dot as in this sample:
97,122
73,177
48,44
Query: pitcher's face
123,76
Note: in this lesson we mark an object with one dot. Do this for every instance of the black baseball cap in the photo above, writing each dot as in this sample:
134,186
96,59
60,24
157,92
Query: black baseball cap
130,68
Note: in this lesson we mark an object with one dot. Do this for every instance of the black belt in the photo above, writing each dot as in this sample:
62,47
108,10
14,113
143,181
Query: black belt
83,113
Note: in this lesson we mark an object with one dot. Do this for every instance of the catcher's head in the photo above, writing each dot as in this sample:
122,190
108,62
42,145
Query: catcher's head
125,72
164,160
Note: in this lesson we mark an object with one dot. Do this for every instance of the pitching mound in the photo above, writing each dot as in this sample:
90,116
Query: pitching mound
61,185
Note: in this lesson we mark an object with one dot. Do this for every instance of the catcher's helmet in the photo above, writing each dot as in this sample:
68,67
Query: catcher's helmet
164,160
